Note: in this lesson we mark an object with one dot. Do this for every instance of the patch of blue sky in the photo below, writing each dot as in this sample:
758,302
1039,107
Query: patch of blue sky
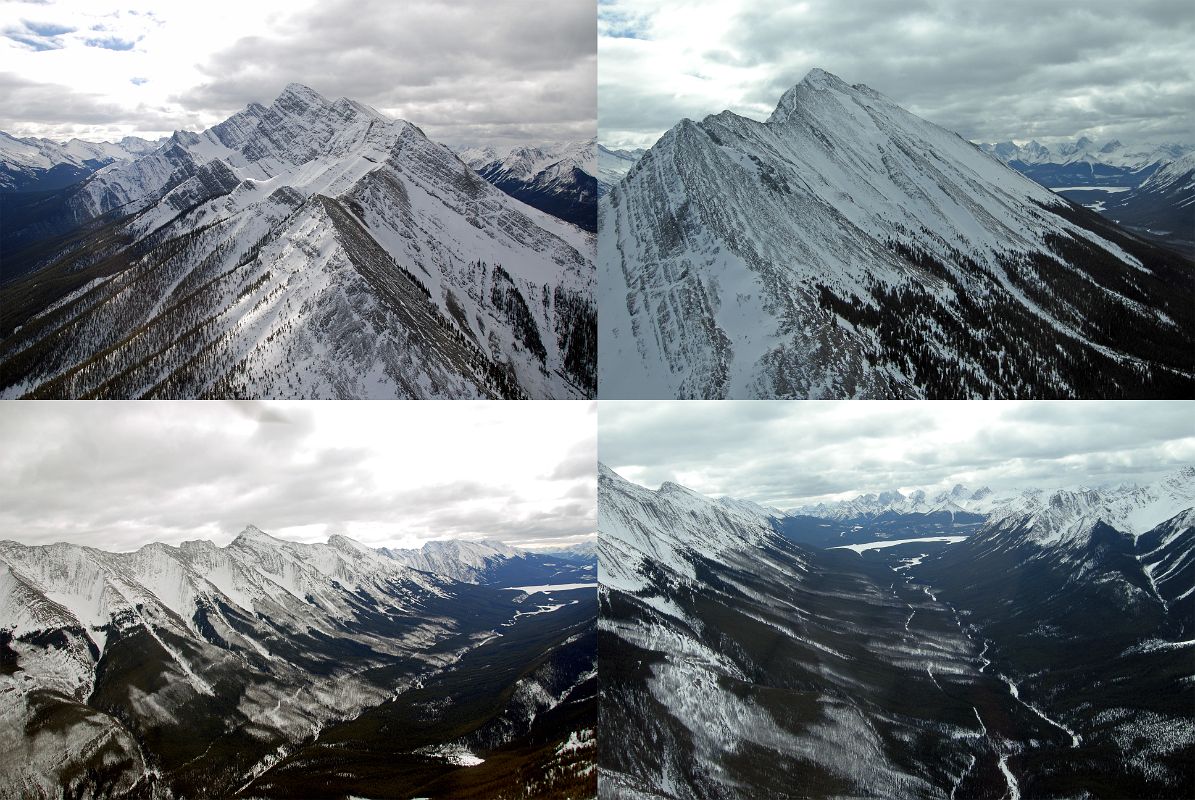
110,43
621,25
36,42
46,28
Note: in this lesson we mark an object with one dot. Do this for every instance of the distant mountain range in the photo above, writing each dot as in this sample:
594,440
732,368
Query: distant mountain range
313,248
1045,652
35,164
558,178
846,248
268,668
1149,189
613,165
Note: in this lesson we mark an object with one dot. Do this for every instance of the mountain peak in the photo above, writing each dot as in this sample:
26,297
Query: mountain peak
252,533
347,545
817,81
299,93
669,487
818,78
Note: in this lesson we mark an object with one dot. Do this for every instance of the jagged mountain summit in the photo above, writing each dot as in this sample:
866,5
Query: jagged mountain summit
847,248
957,499
180,671
557,178
311,249
736,662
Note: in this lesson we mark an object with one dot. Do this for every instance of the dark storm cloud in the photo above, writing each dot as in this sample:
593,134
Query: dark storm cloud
118,475
988,69
465,72
787,453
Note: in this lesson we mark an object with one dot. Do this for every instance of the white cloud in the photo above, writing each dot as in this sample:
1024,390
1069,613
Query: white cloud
465,71
118,475
988,69
787,453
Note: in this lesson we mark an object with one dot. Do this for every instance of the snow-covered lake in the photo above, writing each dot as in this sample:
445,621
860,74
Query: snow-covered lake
551,587
859,548
1109,189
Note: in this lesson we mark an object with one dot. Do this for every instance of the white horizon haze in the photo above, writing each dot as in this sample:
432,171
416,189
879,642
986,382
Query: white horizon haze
787,454
118,475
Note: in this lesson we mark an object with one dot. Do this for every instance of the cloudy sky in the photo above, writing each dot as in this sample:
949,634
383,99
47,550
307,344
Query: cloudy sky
119,474
466,71
991,70
786,453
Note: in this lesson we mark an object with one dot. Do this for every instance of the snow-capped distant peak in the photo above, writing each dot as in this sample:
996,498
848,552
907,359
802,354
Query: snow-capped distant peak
1070,515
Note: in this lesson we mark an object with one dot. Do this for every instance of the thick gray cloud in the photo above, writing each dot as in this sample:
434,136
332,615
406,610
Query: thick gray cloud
118,475
787,453
466,71
988,69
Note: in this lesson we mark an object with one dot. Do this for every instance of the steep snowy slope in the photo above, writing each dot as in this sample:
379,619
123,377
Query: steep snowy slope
313,248
1087,600
737,664
846,248
556,178
171,670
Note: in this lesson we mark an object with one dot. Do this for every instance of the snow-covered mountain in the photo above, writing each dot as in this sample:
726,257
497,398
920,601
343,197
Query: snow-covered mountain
558,178
1053,517
1086,163
957,499
457,558
170,668
492,562
847,248
613,164
1146,188
672,526
737,663
1162,206
312,248
42,164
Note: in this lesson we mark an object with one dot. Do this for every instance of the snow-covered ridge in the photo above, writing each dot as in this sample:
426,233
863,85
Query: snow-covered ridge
753,260
31,153
1086,151
1065,515
668,528
955,500
545,165
1051,514
64,585
341,254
